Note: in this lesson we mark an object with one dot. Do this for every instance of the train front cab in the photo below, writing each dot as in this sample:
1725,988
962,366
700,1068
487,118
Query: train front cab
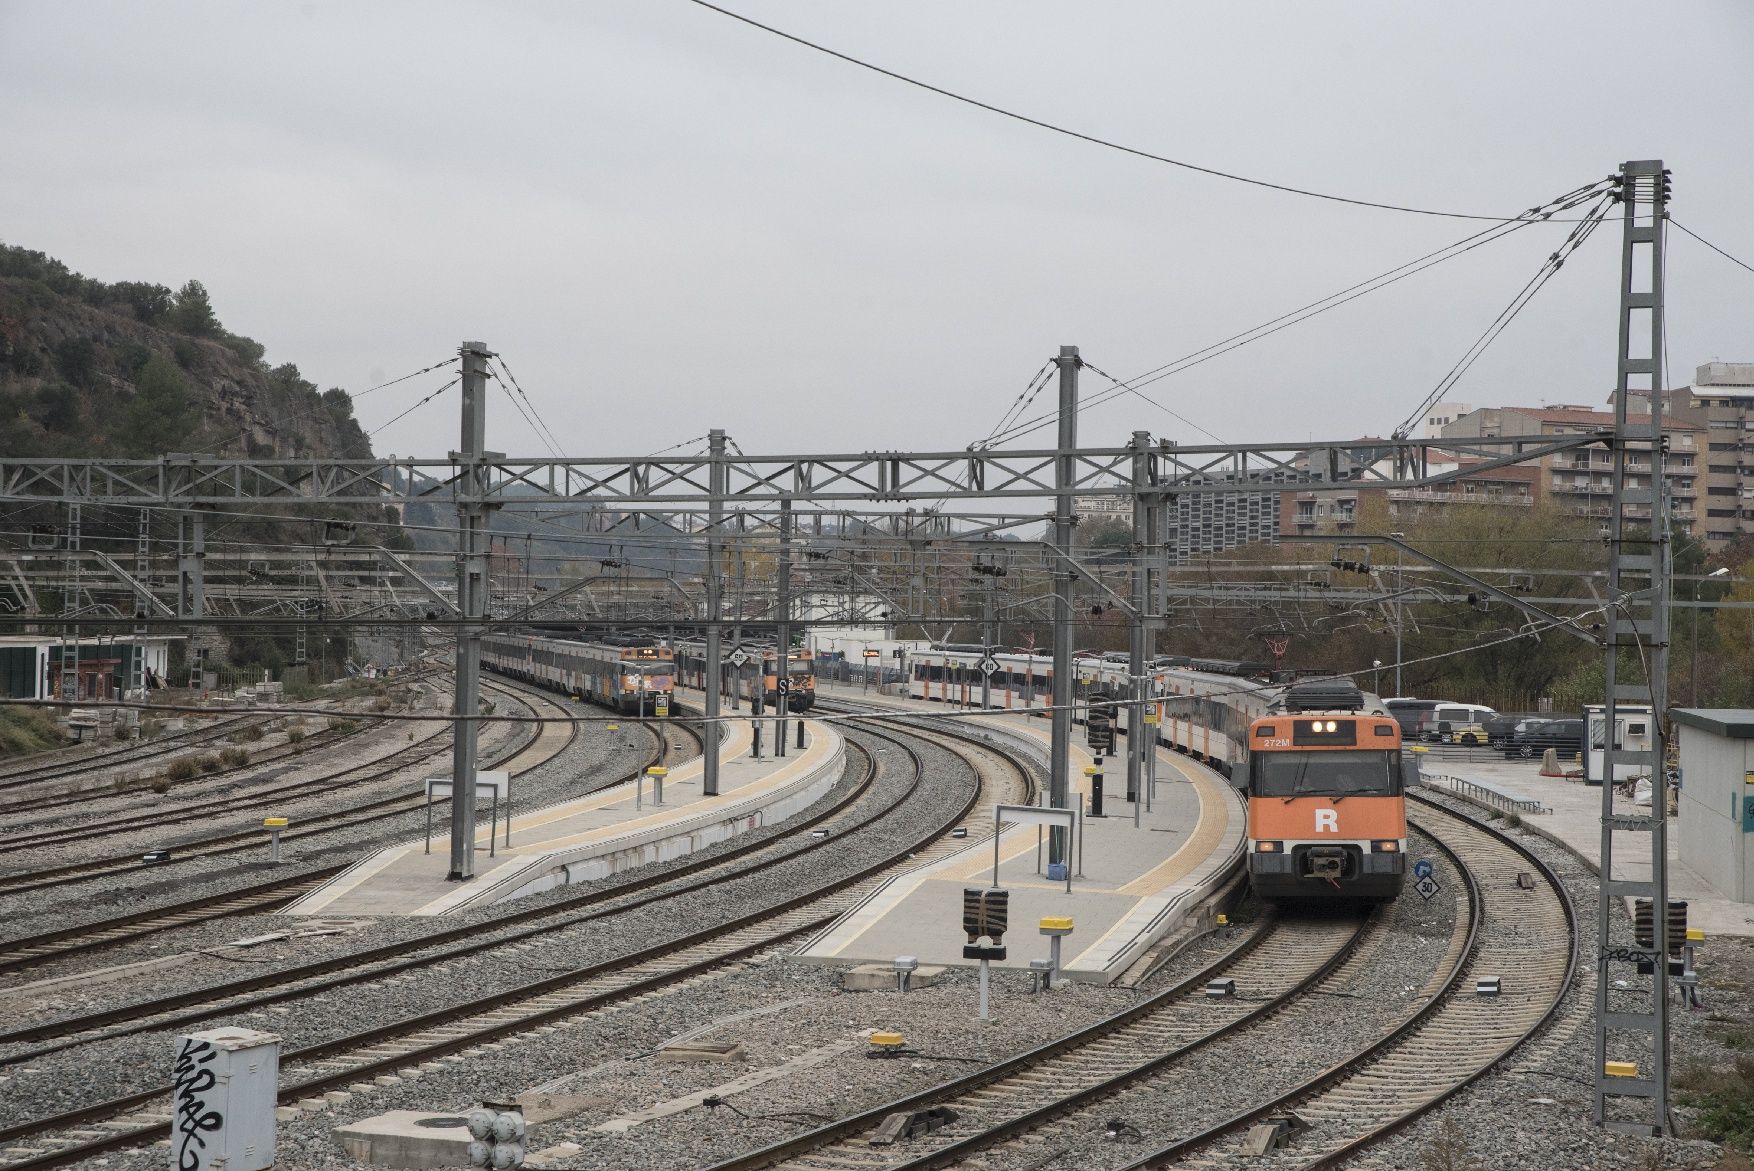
1327,818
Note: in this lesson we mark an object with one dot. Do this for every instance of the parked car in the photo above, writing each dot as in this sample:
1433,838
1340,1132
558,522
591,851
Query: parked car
1467,735
1565,735
1501,728
1450,716
1416,716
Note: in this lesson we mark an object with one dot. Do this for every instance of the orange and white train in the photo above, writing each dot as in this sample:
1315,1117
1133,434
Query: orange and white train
1327,814
1319,760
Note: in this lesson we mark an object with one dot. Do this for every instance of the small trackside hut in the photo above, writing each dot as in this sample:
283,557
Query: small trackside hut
1327,815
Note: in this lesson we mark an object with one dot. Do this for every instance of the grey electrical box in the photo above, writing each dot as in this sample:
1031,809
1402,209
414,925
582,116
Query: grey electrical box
224,1084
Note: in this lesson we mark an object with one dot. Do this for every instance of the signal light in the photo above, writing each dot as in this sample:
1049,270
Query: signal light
1266,847
1386,846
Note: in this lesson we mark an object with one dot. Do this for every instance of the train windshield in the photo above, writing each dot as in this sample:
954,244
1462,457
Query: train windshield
1325,774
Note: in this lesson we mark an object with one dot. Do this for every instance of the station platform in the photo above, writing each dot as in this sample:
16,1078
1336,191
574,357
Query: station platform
1574,817
591,836
1136,885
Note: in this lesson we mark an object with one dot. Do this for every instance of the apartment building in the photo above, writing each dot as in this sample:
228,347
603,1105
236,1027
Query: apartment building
1580,480
1720,403
1304,513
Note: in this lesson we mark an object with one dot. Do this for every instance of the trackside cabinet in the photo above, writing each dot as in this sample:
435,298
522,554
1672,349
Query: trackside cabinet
223,1085
1716,801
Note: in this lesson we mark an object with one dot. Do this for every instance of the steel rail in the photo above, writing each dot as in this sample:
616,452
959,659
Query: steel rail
1446,993
496,1030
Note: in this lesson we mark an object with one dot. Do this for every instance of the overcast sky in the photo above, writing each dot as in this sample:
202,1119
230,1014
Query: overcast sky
666,220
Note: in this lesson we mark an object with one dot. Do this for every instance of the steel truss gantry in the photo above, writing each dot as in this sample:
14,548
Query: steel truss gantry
1631,1017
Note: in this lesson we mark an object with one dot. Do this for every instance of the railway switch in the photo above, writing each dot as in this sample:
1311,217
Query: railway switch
1620,1069
904,1124
887,1045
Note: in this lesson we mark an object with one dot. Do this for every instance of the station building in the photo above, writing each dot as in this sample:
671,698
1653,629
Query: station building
30,664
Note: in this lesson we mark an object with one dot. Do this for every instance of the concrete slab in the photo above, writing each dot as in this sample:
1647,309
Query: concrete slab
592,836
881,977
407,1138
1136,884
1576,820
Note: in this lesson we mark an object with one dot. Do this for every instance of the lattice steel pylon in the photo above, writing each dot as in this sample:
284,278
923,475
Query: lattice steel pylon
1632,988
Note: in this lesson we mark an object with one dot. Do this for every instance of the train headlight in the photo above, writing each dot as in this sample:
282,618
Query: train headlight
1386,846
1265,847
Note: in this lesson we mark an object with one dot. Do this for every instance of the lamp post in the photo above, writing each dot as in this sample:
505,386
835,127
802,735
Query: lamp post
1376,676
1398,655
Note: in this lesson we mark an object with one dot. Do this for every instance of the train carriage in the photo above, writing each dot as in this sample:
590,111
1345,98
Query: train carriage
631,675
1327,813
800,674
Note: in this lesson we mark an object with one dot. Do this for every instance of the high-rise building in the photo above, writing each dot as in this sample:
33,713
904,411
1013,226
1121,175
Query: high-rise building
1580,480
1720,403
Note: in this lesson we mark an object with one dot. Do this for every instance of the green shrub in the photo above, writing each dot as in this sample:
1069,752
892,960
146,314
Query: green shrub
248,734
295,735
182,770
149,729
1513,820
234,757
160,785
1725,1101
25,730
208,763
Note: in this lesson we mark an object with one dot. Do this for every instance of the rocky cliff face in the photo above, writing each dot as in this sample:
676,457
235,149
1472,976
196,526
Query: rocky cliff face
132,370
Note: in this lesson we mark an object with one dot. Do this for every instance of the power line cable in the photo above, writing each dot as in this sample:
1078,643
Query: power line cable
1021,402
1090,138
1677,223
540,423
1321,305
415,407
405,377
1549,267
541,433
1152,402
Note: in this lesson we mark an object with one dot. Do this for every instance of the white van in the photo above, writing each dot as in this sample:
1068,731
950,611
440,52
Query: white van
1450,716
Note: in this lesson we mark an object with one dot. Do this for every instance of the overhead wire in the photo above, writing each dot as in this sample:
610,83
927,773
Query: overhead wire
1021,402
1555,260
1733,260
543,430
541,433
405,377
1376,283
1091,138
1097,370
415,407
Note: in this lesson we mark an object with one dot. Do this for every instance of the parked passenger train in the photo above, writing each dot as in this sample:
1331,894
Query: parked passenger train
630,674
800,670
1326,816
1205,709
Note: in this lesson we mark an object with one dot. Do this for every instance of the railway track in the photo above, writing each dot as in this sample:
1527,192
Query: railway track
1528,937
532,1009
1009,1112
25,954
550,738
35,951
